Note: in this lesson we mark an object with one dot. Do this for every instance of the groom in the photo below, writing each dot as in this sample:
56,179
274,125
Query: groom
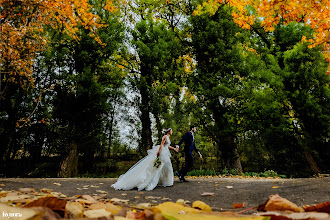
189,146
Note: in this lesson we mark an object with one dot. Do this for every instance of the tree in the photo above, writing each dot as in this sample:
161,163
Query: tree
23,38
272,22
216,40
158,48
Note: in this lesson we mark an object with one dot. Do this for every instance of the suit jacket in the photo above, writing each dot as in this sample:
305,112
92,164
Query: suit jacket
189,143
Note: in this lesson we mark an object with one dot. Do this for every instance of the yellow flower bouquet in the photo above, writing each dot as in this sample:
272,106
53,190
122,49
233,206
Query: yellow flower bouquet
157,163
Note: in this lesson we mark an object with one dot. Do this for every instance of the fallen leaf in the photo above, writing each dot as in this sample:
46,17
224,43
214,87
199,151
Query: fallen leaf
202,206
84,201
277,203
322,207
152,197
120,218
180,201
113,208
98,205
95,186
97,213
229,187
238,205
142,205
76,209
21,213
137,197
89,198
1,184
275,187
119,200
26,190
45,213
46,190
13,198
207,194
53,203
296,215
124,194
135,215
58,184
171,207
101,191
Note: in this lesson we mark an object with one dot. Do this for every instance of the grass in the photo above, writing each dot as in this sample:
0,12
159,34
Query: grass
234,172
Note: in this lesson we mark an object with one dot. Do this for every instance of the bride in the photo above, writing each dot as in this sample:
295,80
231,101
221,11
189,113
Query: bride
150,171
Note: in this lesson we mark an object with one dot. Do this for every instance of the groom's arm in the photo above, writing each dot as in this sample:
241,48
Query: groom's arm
184,138
195,148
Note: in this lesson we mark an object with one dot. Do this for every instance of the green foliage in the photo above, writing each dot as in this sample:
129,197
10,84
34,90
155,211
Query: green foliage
202,173
260,100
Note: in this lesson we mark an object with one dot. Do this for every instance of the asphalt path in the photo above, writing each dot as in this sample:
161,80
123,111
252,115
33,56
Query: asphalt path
219,193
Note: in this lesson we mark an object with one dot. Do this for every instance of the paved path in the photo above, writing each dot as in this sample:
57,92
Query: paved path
227,191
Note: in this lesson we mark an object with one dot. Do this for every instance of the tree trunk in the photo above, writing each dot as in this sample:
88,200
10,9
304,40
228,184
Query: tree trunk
228,146
231,157
69,165
146,140
310,159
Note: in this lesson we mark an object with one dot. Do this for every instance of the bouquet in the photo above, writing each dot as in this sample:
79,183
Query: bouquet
157,162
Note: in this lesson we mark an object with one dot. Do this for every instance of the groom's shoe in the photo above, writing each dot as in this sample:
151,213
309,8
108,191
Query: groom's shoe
179,175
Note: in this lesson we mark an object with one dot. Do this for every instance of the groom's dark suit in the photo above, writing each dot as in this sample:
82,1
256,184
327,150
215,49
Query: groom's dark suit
189,146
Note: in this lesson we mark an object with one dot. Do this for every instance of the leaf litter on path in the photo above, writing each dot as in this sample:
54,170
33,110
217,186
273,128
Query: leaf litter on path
47,204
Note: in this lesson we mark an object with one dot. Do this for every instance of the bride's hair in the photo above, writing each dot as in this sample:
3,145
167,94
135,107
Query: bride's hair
167,130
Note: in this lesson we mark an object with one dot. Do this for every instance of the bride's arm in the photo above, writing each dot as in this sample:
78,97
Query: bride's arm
161,145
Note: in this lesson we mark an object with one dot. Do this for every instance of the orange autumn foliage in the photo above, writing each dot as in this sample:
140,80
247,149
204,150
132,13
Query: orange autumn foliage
22,36
315,13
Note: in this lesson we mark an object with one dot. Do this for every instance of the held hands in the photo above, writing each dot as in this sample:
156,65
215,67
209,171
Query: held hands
200,155
176,148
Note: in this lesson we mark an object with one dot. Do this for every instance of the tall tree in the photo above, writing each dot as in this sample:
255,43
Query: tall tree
271,21
157,47
23,38
215,40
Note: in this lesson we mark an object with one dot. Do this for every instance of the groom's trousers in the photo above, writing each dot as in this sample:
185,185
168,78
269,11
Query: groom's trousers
188,164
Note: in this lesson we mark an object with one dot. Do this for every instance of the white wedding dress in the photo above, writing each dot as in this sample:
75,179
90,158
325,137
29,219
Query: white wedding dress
144,175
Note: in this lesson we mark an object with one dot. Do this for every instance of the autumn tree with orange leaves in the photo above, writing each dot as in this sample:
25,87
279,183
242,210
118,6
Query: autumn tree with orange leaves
22,33
271,13
27,36
292,40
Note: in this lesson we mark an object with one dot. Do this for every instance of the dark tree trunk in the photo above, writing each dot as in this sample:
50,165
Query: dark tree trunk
227,141
146,140
69,164
230,156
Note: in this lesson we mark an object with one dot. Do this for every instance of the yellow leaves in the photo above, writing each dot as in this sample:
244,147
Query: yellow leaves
169,208
187,63
110,6
176,211
202,206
